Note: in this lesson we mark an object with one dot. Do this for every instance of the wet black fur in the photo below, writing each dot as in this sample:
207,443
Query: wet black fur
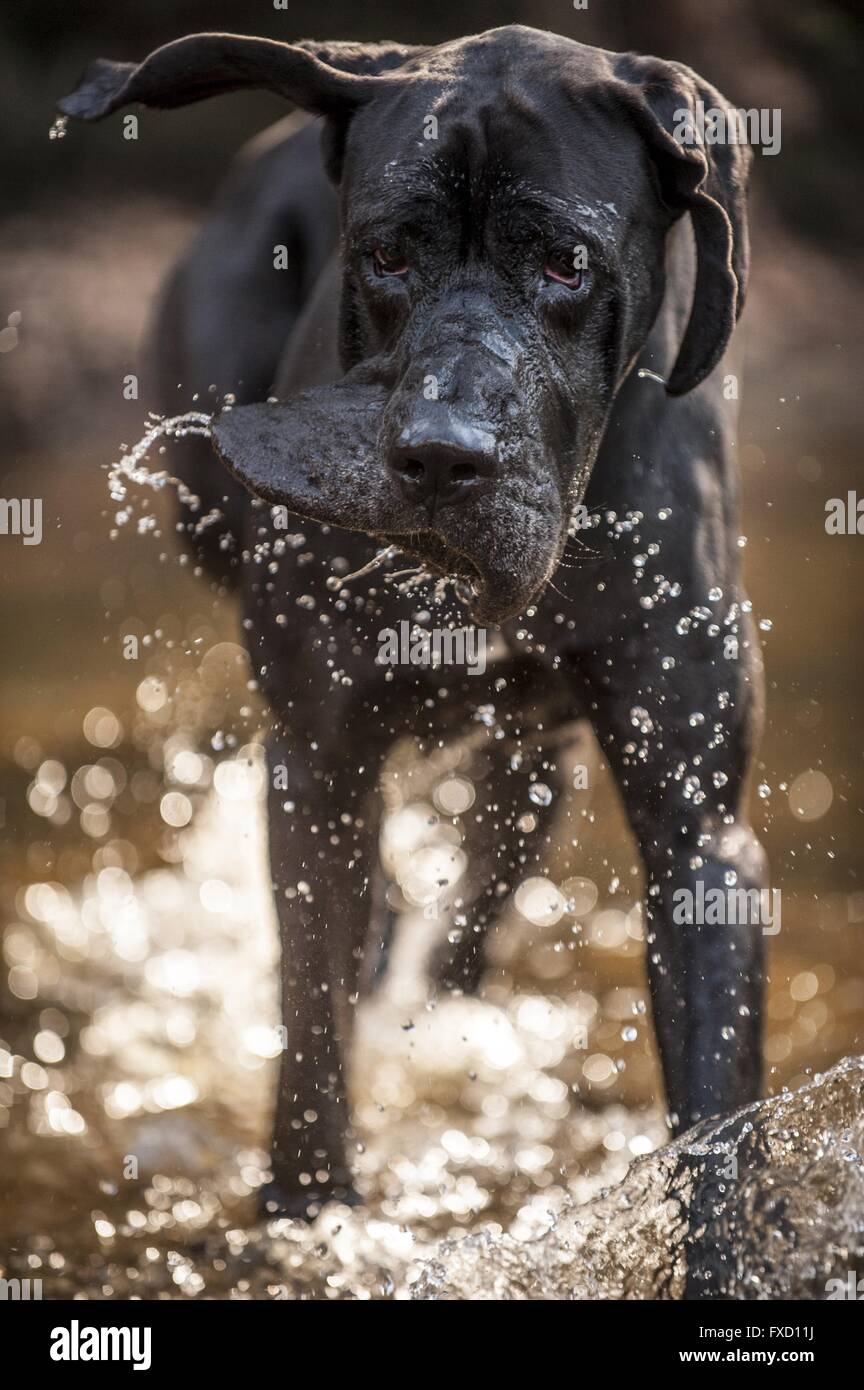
522,116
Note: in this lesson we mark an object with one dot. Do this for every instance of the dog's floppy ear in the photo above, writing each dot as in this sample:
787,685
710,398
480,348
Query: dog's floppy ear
363,59
709,182
326,79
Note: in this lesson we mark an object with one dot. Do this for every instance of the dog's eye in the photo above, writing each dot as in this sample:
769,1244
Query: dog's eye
560,268
389,261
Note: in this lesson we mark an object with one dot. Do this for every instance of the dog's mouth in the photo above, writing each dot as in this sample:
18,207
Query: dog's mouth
433,553
496,582
317,456
439,560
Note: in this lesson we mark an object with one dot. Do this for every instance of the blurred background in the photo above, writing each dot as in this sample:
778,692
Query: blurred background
136,989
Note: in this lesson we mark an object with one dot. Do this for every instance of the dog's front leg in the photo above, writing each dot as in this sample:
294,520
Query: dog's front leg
677,716
323,841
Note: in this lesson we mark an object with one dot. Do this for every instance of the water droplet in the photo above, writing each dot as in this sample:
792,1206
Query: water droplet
641,720
540,794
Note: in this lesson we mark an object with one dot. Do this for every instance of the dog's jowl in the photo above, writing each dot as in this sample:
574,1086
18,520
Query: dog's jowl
486,288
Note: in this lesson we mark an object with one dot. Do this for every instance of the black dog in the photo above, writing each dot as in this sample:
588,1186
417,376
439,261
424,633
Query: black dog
523,237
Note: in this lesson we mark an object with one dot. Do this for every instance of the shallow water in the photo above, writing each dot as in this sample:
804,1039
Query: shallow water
136,1105
154,999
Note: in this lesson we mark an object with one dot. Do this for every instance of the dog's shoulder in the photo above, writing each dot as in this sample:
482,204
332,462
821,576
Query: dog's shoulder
251,267
276,187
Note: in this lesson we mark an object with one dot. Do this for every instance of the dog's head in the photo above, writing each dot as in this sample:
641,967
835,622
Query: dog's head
505,204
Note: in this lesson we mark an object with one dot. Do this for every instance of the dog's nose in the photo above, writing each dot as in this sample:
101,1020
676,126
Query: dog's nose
435,472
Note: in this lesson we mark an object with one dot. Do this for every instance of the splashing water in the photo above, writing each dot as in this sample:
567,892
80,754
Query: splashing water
407,581
485,1175
766,1204
377,562
172,1068
131,467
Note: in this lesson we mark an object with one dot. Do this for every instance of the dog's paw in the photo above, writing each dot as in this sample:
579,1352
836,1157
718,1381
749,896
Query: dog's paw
277,1203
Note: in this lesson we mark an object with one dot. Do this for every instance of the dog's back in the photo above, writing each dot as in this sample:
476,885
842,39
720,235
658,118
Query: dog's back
229,306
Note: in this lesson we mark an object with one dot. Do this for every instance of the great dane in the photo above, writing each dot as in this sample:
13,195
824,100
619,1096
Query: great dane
479,317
